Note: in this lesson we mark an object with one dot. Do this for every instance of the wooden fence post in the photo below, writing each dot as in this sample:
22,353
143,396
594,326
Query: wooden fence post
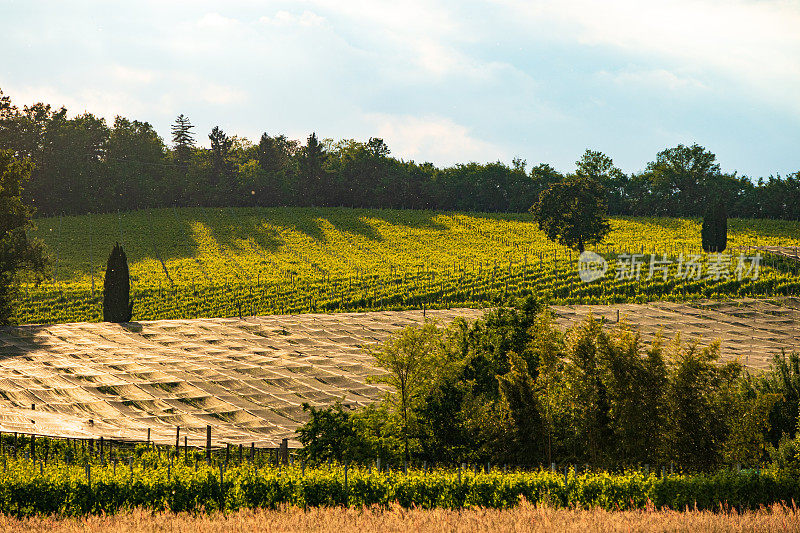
284,451
178,441
208,444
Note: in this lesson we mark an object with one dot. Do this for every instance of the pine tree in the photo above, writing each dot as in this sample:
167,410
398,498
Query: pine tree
117,306
313,172
220,147
183,138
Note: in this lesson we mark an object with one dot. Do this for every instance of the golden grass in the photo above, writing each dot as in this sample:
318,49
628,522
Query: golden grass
338,520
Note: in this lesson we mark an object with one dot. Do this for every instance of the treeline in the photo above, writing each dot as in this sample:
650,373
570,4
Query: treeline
84,165
512,388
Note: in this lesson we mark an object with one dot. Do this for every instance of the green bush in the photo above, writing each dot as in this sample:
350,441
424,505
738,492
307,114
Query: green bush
64,490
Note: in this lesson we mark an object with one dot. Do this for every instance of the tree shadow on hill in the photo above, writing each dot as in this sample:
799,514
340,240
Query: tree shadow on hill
170,234
18,341
133,327
240,229
313,223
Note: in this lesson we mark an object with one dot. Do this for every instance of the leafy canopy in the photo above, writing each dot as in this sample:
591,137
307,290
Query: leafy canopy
17,252
573,212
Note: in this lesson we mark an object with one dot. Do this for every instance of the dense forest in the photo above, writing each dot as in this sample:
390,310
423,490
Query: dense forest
84,165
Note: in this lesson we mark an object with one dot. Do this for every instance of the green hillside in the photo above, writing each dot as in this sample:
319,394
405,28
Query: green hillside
196,262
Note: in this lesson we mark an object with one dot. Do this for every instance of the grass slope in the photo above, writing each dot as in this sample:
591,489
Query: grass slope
206,262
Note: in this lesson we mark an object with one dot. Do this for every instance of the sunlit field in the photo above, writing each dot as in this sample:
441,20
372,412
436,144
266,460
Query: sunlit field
336,520
208,262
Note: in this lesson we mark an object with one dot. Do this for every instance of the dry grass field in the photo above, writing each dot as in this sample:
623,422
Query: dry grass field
335,520
248,377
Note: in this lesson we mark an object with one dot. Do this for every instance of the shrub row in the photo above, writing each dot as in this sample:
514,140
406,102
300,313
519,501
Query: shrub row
67,490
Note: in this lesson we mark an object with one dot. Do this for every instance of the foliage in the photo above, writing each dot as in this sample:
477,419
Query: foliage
183,139
82,165
330,434
409,359
682,180
714,232
177,486
17,251
573,212
511,388
782,381
117,305
695,401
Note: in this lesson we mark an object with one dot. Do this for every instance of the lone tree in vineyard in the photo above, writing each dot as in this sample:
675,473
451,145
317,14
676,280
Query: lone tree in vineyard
714,232
117,306
573,212
17,252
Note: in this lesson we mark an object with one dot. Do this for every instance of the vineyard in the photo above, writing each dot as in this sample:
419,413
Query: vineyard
73,481
189,263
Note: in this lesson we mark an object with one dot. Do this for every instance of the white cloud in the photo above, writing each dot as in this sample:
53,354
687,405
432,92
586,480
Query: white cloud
284,18
657,79
752,43
132,75
223,95
215,21
97,101
441,80
432,138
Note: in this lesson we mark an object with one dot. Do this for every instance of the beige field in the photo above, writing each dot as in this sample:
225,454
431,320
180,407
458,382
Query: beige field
336,520
248,378
750,331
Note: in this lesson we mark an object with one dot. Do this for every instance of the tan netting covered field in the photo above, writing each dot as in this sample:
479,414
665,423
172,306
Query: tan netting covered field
751,331
248,378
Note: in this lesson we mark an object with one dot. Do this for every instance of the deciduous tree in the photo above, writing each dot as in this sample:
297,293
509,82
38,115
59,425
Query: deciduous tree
573,212
17,252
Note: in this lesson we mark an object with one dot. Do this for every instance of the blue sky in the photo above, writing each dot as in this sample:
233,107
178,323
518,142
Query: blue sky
440,81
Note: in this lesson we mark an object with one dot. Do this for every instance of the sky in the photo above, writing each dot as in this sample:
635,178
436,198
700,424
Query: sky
439,81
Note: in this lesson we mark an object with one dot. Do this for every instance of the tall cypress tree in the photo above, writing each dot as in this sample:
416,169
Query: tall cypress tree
708,230
117,305
721,221
714,232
